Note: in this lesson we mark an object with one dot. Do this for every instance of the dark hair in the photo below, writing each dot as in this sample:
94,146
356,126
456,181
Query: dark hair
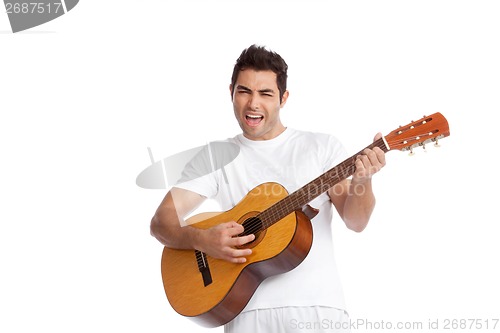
261,59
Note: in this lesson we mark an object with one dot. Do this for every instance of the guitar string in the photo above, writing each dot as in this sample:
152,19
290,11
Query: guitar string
296,200
293,202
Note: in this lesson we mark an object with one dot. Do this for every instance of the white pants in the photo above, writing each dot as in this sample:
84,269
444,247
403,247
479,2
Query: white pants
313,319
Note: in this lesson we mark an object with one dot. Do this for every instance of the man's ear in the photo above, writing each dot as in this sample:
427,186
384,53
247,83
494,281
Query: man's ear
231,90
284,98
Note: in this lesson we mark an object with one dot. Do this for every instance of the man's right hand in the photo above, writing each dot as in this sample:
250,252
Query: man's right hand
222,242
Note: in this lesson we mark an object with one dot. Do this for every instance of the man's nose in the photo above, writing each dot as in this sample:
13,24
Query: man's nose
254,102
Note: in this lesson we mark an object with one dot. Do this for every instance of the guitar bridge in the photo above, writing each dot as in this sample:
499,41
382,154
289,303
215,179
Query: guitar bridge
201,259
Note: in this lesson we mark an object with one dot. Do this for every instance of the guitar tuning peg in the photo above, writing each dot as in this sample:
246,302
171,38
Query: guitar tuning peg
423,146
411,153
436,143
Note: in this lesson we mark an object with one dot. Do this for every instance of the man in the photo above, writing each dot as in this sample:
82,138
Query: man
310,296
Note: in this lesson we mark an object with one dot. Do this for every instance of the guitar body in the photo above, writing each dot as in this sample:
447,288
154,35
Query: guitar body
278,249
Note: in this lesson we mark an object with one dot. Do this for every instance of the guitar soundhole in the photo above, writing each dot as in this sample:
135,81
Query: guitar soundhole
253,225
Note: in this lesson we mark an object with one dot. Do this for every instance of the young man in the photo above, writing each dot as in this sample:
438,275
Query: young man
310,296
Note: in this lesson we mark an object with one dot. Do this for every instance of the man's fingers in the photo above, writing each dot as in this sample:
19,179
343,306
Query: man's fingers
233,252
234,228
238,255
238,241
372,157
237,260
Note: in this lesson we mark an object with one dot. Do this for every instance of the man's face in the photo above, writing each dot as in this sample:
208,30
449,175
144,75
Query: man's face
256,103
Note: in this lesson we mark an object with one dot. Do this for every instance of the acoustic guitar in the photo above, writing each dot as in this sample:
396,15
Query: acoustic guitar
212,291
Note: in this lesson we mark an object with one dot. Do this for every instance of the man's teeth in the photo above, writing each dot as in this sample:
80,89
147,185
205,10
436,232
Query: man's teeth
254,117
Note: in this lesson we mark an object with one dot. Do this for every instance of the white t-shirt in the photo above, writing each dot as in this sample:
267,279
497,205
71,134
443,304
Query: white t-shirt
292,159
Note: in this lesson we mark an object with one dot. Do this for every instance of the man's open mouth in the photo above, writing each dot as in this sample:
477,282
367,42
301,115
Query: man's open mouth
253,120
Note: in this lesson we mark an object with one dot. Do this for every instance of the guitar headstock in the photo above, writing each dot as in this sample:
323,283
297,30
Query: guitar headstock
418,133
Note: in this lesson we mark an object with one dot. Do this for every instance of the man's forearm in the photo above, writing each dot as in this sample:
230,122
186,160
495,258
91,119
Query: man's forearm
359,205
174,236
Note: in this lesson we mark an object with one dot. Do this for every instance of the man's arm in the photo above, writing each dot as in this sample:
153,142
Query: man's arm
166,224
169,227
354,199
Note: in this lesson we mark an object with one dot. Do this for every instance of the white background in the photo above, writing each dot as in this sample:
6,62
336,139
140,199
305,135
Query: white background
83,96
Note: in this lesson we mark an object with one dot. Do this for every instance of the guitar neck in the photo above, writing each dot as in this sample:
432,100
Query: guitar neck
314,188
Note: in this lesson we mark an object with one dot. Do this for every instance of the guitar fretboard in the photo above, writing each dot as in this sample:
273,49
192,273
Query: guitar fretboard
309,192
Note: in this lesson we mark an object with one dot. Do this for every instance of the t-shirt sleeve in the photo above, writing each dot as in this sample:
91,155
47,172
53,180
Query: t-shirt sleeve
199,176
334,153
